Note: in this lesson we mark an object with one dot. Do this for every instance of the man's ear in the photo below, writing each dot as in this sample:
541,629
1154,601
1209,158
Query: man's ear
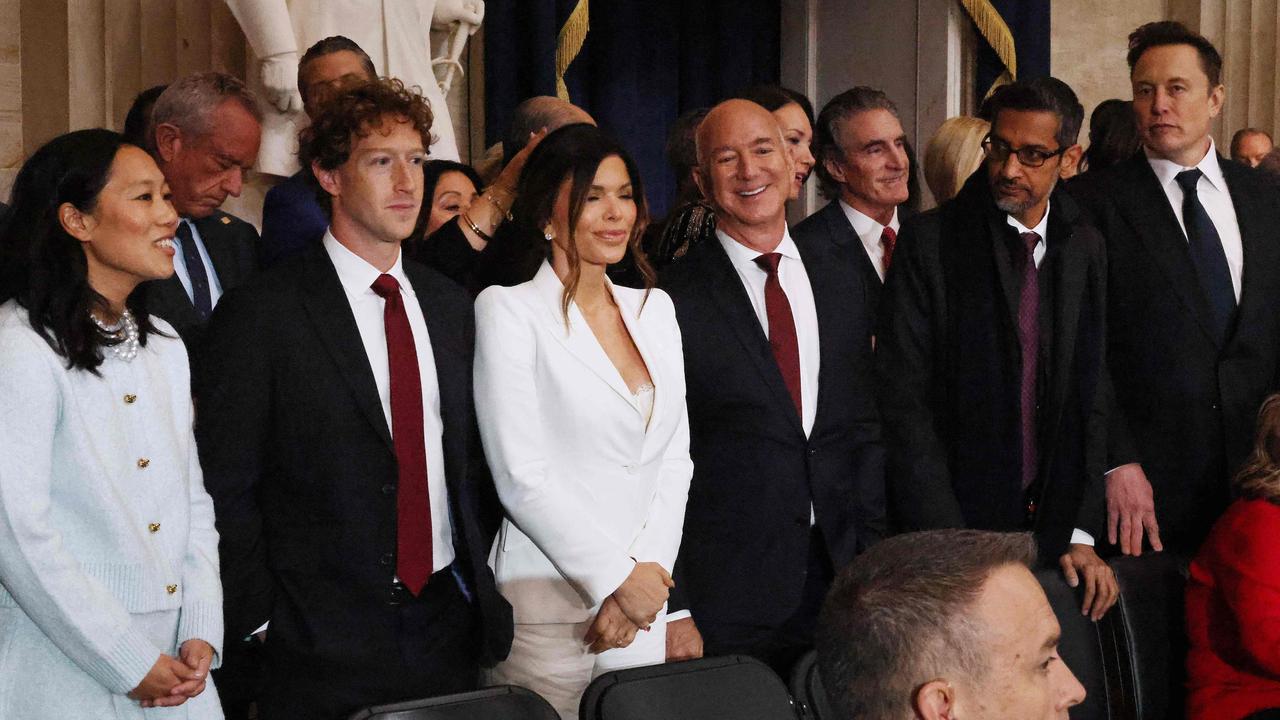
935,700
1070,162
168,141
700,179
76,223
834,169
328,179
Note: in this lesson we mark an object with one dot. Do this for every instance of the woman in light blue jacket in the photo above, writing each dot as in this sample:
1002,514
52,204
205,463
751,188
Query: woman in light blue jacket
110,601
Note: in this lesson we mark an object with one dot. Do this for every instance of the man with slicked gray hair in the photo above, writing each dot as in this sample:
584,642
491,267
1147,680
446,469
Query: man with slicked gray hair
944,624
204,135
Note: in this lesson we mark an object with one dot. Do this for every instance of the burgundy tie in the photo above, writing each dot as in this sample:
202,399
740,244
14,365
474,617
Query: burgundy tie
888,239
413,504
782,328
1029,335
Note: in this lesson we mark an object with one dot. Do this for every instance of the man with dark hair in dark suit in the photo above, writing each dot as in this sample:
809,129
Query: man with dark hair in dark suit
990,349
788,480
204,135
1193,299
292,220
336,431
864,167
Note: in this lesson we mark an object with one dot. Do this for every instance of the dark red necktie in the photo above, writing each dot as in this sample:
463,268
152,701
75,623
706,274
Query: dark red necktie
888,238
782,328
413,503
1029,335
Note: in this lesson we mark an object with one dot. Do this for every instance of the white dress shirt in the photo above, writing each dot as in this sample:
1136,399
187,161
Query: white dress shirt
1216,199
795,283
1078,536
869,232
184,275
357,278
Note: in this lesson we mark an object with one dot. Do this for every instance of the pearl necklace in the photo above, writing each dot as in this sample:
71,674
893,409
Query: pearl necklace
124,331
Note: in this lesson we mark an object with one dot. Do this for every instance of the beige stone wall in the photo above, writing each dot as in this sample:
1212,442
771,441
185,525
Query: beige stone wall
1088,45
10,94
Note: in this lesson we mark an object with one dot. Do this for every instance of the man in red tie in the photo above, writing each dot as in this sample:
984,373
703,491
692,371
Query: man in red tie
990,349
335,430
863,167
788,469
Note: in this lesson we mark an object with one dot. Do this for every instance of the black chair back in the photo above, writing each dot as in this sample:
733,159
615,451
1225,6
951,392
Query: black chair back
733,687
1150,635
812,702
1084,649
505,702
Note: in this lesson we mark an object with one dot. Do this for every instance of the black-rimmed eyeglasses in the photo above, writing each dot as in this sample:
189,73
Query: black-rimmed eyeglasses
999,150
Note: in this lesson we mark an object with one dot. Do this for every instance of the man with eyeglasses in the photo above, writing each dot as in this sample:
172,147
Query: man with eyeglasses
990,349
1194,299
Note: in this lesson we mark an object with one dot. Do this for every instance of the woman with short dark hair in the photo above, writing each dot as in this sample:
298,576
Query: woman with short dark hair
109,590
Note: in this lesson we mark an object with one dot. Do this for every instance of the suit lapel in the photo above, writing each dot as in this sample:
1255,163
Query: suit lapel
999,232
729,294
450,358
841,231
221,253
1068,278
170,300
1253,239
330,313
1147,210
578,339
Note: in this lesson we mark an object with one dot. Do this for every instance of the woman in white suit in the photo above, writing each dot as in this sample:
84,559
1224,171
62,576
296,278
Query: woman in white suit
110,602
580,398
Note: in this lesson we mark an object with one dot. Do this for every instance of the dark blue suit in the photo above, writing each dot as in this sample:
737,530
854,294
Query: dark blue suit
292,221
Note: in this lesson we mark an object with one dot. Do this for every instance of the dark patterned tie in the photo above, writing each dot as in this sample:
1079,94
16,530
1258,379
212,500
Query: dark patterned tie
413,503
200,296
1206,253
782,328
1029,337
888,239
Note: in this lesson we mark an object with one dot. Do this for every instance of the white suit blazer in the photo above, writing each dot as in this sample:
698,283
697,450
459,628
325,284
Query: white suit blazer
587,490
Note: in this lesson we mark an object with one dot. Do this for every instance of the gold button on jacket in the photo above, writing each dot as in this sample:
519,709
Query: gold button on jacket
171,589
143,462
130,399
154,527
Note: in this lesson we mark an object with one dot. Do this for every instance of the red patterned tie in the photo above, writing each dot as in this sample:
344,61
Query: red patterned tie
1029,335
413,504
782,328
888,239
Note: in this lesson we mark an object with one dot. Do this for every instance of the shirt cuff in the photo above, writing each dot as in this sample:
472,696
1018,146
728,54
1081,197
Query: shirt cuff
679,615
1080,537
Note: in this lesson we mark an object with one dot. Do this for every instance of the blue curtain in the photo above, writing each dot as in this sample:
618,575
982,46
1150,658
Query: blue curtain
643,64
1028,21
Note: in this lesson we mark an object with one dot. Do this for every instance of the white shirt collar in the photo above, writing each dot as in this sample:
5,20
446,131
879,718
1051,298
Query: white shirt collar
1041,228
863,225
1167,170
356,274
741,255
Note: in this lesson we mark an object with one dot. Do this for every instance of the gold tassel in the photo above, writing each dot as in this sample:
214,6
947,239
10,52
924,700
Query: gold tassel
569,44
996,33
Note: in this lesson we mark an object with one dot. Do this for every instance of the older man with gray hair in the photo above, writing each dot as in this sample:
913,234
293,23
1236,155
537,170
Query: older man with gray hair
204,135
944,624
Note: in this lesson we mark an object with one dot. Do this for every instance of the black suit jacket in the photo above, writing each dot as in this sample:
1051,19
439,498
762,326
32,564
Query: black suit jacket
299,461
831,225
1186,402
745,549
949,363
232,244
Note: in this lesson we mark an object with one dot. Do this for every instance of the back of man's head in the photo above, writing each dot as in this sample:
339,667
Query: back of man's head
1043,94
536,113
137,122
900,616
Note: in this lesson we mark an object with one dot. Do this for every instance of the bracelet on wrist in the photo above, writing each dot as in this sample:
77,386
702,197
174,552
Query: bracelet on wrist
474,227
